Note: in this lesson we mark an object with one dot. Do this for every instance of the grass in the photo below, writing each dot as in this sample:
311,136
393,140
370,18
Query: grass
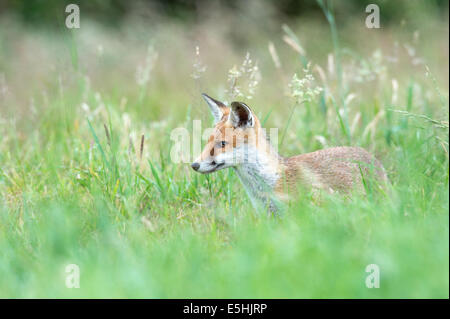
95,185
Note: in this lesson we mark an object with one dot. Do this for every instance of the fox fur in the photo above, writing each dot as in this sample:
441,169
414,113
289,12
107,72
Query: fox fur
238,141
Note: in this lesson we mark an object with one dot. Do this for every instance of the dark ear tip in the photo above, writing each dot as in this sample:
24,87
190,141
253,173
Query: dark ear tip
207,98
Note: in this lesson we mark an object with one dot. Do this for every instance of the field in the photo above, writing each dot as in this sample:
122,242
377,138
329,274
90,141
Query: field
87,176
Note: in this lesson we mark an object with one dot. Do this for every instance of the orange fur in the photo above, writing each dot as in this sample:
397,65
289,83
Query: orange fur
337,169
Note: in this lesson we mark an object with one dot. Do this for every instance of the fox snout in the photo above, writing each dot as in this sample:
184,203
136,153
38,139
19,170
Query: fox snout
207,166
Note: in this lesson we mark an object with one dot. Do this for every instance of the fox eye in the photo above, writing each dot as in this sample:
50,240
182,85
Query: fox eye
223,143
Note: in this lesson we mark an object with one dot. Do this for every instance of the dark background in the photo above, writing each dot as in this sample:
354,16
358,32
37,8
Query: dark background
113,12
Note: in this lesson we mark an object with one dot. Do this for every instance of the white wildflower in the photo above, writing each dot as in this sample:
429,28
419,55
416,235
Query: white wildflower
304,89
233,76
248,76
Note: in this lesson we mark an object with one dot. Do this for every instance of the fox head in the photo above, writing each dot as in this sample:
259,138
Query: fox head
234,138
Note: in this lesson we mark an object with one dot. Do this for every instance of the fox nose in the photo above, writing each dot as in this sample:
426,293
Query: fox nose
195,166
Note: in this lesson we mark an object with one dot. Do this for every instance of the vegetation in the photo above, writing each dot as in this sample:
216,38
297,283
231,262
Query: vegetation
87,178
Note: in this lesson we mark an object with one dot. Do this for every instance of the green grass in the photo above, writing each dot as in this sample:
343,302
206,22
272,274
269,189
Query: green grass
77,188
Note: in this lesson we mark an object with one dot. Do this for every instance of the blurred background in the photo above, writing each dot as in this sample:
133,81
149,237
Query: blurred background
115,12
86,175
117,38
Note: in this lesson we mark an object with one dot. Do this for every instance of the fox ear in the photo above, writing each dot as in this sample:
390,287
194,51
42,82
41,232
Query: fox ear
217,107
241,115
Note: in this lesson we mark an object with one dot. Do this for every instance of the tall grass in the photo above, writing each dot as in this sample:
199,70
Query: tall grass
86,178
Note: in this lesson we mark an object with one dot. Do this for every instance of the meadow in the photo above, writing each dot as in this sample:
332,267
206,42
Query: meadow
87,177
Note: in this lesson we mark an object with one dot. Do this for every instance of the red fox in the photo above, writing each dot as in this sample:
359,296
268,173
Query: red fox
239,141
